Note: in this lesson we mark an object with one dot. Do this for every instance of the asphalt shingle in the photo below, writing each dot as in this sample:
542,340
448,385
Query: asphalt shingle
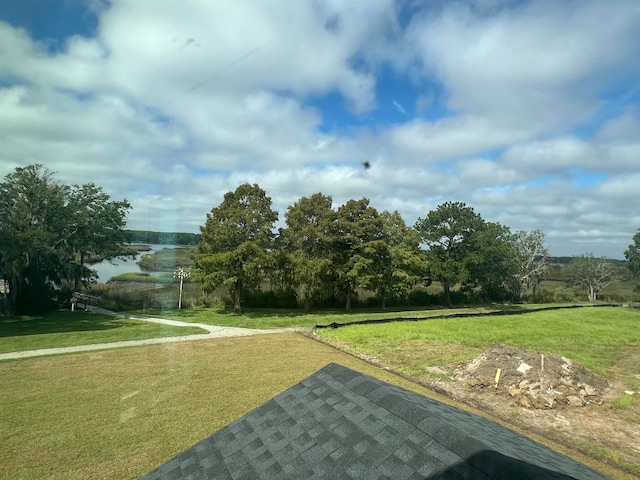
339,423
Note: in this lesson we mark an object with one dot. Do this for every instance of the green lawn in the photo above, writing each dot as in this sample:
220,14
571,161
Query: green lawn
277,318
64,328
596,337
118,414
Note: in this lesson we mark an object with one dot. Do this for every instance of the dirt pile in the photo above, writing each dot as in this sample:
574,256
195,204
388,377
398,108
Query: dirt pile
532,379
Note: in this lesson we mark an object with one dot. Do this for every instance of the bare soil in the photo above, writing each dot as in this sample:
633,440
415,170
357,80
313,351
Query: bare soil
555,397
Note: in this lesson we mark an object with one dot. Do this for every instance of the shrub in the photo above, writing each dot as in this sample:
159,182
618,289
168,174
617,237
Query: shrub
420,297
563,295
543,295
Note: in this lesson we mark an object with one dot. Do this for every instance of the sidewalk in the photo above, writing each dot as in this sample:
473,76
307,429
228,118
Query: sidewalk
214,332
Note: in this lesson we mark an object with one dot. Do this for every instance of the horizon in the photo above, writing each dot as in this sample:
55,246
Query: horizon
528,111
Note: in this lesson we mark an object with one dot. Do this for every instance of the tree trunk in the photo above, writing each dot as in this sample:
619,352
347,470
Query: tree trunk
384,304
237,308
348,305
307,303
78,273
14,290
447,294
592,294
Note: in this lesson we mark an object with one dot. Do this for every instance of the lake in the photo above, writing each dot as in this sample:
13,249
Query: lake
106,269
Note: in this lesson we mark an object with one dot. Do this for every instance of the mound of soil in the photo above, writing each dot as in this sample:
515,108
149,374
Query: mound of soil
532,379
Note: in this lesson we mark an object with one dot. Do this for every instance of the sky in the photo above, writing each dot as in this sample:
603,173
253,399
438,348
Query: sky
527,111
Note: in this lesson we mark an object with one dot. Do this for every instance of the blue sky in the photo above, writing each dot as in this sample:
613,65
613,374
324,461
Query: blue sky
528,111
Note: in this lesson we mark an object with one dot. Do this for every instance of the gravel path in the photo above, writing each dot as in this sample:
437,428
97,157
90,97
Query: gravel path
214,332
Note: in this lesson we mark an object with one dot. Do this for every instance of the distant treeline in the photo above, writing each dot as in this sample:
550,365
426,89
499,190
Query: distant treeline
567,260
162,238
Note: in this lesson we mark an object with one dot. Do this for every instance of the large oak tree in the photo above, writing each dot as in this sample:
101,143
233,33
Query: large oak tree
360,250
307,243
448,232
407,264
237,239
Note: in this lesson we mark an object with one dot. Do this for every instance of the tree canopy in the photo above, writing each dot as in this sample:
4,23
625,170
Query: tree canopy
590,273
448,232
306,241
46,231
531,262
360,252
236,240
632,255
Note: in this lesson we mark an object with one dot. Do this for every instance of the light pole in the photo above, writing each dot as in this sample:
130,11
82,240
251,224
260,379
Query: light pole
181,273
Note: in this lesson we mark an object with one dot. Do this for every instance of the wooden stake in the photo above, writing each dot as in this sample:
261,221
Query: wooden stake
542,363
498,372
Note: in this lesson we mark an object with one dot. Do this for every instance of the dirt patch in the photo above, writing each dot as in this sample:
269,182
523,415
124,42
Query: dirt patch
564,401
532,379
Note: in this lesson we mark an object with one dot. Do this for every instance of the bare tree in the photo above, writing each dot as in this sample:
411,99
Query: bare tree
590,273
532,262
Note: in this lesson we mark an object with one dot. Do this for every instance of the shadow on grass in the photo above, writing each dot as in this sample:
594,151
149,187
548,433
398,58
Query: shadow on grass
270,312
61,321
502,311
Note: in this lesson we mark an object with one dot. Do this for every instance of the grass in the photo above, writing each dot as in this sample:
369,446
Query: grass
623,401
278,318
166,260
143,277
119,414
596,337
64,329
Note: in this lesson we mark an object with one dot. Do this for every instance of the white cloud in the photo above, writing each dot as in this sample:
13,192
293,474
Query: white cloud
172,104
536,65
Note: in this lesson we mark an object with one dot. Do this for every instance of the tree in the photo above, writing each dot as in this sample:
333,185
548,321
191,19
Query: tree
492,261
590,273
407,265
39,235
95,227
448,233
306,240
632,255
359,248
532,262
237,238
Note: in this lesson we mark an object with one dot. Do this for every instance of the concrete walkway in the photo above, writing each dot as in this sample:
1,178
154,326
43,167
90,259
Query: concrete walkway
214,332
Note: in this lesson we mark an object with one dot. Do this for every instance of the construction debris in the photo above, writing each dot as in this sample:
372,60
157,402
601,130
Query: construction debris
532,380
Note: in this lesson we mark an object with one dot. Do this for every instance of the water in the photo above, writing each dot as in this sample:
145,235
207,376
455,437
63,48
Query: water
106,269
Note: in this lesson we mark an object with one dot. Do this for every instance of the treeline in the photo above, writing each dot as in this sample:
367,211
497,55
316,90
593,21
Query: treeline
324,254
162,238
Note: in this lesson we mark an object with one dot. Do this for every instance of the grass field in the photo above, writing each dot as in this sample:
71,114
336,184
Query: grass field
279,318
64,329
118,414
596,337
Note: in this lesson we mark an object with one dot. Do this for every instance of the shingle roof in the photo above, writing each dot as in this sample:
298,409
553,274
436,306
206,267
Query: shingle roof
339,423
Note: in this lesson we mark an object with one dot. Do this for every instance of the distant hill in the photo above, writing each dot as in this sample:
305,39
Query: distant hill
163,238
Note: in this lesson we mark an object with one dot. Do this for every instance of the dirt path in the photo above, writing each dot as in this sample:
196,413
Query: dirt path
214,332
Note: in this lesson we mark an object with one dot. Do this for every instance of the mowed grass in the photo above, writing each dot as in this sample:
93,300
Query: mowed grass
266,318
599,338
118,414
64,328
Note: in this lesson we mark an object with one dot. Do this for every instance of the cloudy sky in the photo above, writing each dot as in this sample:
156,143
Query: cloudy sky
528,111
